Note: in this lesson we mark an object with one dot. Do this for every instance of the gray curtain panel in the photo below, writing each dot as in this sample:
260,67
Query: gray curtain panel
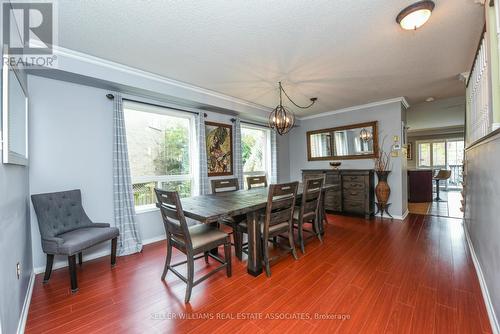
129,241
237,158
274,158
203,168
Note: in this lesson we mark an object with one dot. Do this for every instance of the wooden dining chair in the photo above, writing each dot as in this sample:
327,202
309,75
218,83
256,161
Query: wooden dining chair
191,238
228,185
309,211
277,221
307,176
256,182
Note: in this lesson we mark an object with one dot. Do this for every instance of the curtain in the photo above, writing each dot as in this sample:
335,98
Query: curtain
274,158
129,241
237,159
202,155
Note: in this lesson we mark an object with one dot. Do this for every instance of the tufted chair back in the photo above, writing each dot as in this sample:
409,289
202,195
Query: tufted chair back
59,212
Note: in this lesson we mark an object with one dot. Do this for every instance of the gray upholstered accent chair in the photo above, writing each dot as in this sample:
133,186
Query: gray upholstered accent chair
67,230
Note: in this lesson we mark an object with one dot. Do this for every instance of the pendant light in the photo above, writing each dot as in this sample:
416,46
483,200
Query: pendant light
281,118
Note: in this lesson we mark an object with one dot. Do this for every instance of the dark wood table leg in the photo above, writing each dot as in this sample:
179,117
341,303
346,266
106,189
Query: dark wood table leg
254,266
322,215
215,251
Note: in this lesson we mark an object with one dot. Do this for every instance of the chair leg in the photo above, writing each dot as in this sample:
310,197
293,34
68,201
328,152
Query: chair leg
113,251
317,230
48,268
292,243
238,243
72,273
206,257
227,255
167,260
190,277
265,253
80,258
301,237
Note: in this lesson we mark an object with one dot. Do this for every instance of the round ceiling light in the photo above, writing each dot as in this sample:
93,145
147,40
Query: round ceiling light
416,15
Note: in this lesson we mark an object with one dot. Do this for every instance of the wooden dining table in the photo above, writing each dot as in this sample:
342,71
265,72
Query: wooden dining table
211,208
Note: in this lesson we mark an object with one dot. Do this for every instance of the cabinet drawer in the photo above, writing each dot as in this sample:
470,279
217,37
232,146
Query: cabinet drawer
353,186
356,195
332,179
353,178
354,206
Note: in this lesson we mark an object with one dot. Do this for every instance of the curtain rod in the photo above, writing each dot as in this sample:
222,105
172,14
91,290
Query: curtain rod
251,123
111,97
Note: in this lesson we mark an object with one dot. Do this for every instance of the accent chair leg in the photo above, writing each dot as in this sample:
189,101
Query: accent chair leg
292,243
80,258
206,257
167,260
317,229
72,273
48,268
113,251
265,256
227,255
301,237
190,277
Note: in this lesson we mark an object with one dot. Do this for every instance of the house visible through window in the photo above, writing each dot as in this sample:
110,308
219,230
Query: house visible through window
255,151
160,146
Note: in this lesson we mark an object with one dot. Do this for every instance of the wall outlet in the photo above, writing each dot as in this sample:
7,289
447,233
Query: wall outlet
18,270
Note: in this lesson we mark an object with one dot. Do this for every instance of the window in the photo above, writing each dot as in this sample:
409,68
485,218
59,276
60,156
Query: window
255,151
160,147
443,154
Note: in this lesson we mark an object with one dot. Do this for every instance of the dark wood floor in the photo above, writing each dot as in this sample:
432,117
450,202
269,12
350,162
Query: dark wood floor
386,277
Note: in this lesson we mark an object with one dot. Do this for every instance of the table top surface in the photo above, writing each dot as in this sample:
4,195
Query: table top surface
210,208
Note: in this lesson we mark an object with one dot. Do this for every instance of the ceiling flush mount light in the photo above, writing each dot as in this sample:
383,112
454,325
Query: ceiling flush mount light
281,118
415,16
365,135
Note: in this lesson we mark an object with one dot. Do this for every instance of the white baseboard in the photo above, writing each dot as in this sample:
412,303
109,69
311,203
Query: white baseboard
495,126
396,217
26,305
93,256
484,288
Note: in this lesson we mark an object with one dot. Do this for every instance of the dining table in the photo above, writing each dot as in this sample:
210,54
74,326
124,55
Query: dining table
211,208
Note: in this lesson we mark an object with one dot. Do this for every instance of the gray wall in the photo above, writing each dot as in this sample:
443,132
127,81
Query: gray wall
71,143
15,242
389,117
481,214
438,114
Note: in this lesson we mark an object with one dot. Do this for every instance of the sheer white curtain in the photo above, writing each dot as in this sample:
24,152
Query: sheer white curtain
274,157
129,241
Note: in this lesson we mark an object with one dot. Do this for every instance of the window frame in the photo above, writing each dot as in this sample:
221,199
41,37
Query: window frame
192,176
267,152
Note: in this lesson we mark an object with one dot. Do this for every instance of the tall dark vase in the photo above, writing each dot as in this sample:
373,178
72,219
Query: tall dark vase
383,192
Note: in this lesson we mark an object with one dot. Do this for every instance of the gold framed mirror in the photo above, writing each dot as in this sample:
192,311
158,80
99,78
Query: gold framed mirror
355,141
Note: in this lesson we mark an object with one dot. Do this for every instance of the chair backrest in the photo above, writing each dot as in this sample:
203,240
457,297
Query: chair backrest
308,176
311,197
174,220
224,185
256,181
280,205
59,212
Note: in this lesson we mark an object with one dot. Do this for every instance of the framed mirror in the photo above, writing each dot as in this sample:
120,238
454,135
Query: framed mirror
14,116
356,141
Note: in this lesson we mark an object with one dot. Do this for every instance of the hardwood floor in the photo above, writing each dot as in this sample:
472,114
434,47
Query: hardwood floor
377,276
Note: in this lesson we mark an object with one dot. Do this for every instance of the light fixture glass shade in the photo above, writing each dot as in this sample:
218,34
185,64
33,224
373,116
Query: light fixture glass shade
416,15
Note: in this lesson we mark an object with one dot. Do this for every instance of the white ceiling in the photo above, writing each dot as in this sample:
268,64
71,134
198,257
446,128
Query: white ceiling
344,52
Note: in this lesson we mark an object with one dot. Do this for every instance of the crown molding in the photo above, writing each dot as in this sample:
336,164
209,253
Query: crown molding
93,60
401,100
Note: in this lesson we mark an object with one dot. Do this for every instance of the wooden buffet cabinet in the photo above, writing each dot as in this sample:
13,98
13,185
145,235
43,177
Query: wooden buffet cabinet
354,191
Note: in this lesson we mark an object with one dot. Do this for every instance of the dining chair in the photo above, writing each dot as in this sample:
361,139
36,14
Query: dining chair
307,176
191,239
308,212
229,185
256,182
277,221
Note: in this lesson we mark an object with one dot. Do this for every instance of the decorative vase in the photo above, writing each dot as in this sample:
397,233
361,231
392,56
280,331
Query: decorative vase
382,190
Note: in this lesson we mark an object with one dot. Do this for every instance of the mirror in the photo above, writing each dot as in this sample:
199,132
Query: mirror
14,116
357,141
